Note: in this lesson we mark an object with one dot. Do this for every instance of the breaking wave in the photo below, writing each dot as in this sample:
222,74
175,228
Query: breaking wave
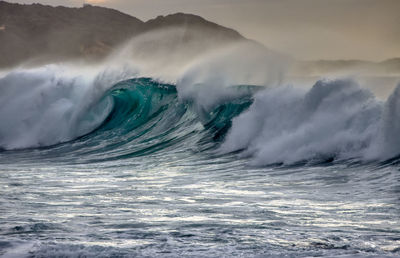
222,103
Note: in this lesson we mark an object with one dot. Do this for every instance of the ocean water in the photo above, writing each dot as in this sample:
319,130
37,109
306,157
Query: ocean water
113,164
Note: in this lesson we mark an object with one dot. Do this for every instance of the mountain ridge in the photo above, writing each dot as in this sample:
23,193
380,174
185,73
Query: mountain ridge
92,32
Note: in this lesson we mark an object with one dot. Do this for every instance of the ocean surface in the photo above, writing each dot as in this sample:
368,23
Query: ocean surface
128,166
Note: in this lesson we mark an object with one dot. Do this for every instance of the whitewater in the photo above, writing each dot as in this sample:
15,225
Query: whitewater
213,155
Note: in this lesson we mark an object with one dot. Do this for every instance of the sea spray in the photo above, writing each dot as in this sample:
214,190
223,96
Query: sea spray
334,119
52,104
389,140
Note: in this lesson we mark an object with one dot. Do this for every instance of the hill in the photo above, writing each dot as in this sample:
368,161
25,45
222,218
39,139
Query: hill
91,32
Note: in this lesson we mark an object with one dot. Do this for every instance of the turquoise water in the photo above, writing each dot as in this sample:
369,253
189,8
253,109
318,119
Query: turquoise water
154,179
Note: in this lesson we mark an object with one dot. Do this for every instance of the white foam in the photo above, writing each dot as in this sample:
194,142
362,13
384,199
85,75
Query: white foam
20,249
333,119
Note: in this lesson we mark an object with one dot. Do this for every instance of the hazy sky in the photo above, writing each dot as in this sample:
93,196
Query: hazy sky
306,29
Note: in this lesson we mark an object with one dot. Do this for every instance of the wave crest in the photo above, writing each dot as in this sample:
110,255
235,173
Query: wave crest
333,120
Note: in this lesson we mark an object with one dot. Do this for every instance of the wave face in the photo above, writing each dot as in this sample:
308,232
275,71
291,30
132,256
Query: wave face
134,118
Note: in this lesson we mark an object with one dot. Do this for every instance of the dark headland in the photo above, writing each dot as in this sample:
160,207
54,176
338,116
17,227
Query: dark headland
31,31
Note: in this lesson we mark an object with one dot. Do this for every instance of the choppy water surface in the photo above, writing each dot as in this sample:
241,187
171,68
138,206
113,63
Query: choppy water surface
173,204
158,179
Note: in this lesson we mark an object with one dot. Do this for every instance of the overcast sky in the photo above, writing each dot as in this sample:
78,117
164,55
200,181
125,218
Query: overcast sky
306,29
